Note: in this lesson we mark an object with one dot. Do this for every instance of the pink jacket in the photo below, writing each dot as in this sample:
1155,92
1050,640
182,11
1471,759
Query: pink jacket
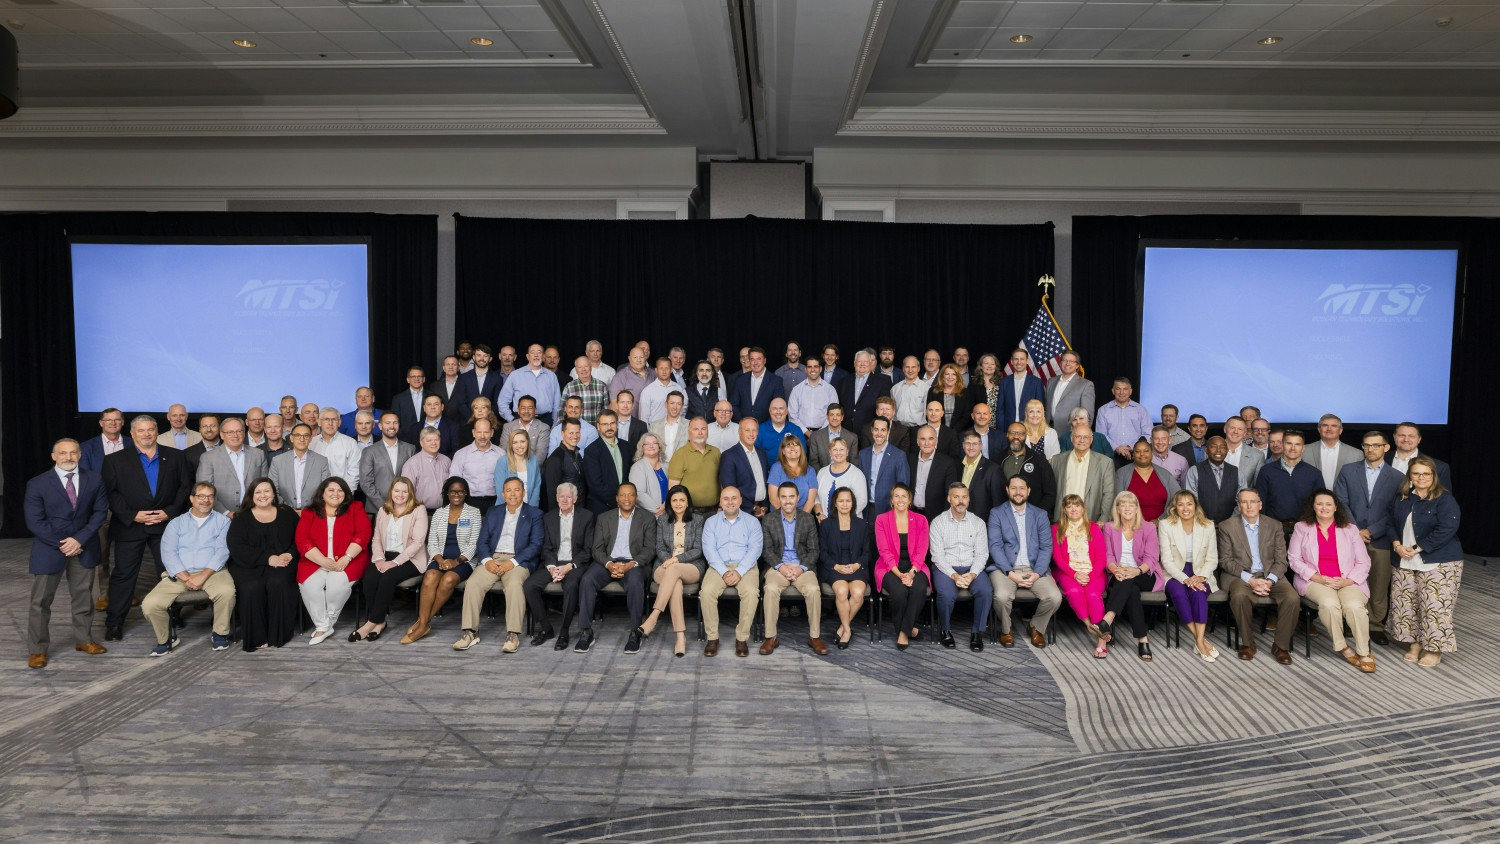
413,540
888,544
1302,556
1060,554
1143,549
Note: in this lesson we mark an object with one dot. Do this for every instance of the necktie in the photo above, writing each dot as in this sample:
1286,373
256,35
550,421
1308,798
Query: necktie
72,492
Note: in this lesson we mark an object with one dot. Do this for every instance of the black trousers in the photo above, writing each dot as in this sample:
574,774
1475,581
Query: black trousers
536,601
597,577
1124,599
482,502
380,588
268,603
129,553
906,603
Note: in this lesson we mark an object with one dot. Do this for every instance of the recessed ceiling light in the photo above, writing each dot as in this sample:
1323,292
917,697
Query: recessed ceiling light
1444,21
1020,39
481,42
241,42
1269,40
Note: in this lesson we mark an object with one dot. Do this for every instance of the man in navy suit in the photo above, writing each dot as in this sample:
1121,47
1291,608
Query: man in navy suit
407,404
65,508
1368,489
95,449
147,486
364,399
884,466
858,392
744,467
478,381
1012,403
752,391
510,545
606,464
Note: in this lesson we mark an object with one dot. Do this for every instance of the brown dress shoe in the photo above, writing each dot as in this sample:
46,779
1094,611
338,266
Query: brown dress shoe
1007,640
37,661
90,648
101,604
1038,640
1247,652
1282,656
767,647
741,647
817,645
711,648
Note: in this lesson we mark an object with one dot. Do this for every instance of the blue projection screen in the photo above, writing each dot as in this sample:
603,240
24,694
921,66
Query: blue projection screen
220,326
1364,333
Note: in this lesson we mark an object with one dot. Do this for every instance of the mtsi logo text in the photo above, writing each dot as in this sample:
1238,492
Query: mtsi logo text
1368,299
284,294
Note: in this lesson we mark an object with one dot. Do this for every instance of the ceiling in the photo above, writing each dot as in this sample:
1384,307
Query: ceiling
760,79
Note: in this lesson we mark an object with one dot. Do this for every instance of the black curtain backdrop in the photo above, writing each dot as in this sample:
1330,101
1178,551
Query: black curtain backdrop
1106,321
38,387
761,282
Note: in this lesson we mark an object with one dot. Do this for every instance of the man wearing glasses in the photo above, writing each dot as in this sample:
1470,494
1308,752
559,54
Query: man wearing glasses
193,551
1368,489
407,405
297,473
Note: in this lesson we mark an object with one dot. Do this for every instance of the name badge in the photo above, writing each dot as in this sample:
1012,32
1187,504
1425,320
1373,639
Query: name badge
463,522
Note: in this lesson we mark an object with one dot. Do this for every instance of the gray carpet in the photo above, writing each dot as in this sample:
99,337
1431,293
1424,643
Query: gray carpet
385,742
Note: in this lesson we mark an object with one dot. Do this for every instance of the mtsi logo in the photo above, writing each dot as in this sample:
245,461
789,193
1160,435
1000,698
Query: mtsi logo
282,294
1364,299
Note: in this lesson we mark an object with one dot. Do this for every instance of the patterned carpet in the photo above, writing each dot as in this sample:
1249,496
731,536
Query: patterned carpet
384,742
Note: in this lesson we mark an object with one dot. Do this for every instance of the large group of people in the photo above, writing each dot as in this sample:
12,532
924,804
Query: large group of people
901,483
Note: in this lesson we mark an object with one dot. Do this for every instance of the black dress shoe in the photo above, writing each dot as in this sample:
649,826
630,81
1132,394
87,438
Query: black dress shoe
1380,639
585,641
113,634
946,640
976,642
562,642
541,636
633,643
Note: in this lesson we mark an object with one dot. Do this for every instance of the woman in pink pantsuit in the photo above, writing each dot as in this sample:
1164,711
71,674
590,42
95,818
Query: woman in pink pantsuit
1078,568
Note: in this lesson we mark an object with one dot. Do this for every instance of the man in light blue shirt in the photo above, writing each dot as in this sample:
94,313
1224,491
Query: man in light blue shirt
193,552
1123,421
732,544
1252,558
536,381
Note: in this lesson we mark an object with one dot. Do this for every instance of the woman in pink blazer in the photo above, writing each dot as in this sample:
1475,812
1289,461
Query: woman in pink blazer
1332,568
901,564
399,544
1078,568
1132,563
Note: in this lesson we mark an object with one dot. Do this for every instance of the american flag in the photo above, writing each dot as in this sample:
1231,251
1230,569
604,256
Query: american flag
1045,344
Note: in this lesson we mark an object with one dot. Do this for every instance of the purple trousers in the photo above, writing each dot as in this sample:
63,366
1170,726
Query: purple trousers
1190,604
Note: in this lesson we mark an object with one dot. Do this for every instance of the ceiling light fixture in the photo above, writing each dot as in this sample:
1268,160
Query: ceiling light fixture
16,24
1444,21
1269,40
481,42
1020,39
242,42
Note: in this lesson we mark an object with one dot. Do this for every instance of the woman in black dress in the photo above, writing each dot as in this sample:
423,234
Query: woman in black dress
846,554
262,556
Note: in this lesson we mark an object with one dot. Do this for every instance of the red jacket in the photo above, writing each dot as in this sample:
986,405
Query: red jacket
312,532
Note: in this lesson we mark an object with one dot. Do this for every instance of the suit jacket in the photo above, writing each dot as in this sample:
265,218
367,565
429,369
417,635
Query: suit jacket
1185,448
553,475
1144,551
818,443
284,476
604,482
857,414
1099,488
129,493
631,430
992,443
1031,389
642,535
413,547
944,471
659,428
401,405
698,405
1302,555
901,436
1345,455
1234,548
581,538
1078,393
1005,541
1173,542
194,454
804,539
216,468
1369,511
93,454
1251,462
888,544
1122,483
894,468
51,518
376,472
1061,554
986,487
771,387
447,435
467,389
692,542
837,376
528,535
169,439
947,443
734,470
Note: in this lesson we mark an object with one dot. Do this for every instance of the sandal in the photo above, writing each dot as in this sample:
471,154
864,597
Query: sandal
1101,652
1430,659
1412,653
1350,656
1367,664
1143,650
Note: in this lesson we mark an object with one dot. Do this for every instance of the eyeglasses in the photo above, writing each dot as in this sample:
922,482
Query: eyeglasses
1372,445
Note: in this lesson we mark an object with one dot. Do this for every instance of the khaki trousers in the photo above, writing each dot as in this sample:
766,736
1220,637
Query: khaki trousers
478,585
807,584
708,602
1336,606
219,587
1049,598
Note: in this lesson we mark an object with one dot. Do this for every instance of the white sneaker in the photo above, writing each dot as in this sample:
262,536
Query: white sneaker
319,635
466,641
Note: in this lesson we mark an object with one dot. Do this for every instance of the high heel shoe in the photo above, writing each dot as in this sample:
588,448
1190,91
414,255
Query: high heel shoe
681,650
844,643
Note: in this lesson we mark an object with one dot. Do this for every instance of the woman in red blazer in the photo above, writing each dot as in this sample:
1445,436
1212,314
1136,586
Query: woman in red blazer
901,565
1078,567
334,541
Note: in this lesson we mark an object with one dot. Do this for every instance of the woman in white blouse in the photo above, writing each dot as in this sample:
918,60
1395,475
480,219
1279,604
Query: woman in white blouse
396,549
840,474
1189,557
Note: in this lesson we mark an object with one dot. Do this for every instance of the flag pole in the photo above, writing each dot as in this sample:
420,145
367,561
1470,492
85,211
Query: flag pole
1047,282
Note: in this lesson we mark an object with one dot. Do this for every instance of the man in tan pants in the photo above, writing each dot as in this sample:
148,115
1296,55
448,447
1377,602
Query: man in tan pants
732,544
509,547
790,550
193,552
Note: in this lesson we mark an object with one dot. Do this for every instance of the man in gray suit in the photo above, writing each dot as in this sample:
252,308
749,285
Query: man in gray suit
1368,489
790,552
297,473
1085,473
230,468
1330,455
381,462
1067,391
818,441
1241,453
